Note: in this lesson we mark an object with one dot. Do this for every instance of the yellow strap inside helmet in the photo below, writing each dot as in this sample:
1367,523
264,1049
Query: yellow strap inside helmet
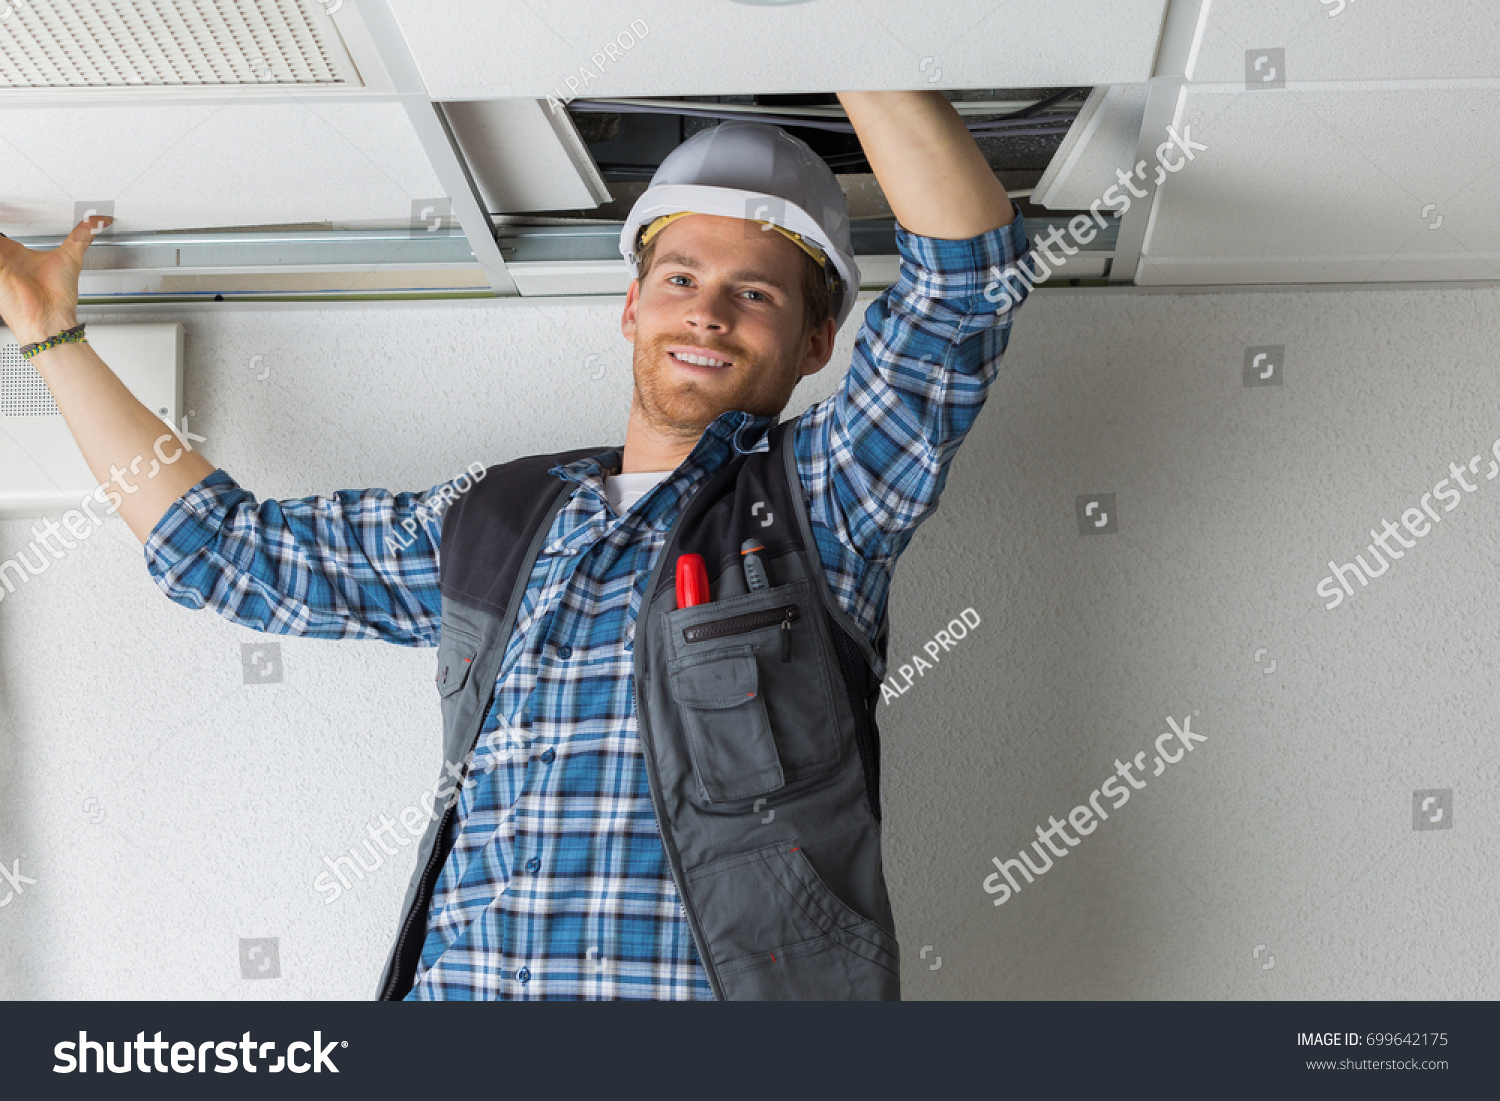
829,271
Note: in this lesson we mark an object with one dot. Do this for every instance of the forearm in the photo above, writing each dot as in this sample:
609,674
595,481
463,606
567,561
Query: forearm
925,358
927,163
116,433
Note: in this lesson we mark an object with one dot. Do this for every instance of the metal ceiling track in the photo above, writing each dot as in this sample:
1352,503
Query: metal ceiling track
319,264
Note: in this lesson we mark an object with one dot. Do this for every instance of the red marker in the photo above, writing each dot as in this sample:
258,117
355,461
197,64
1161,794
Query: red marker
692,580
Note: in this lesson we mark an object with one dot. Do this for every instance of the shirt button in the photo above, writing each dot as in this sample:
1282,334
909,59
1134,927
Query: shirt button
548,756
533,864
524,974
565,651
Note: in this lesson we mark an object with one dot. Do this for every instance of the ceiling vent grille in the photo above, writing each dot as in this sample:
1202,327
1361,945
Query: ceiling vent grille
162,44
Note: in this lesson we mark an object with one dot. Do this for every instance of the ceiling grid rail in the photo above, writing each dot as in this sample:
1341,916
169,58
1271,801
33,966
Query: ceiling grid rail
1182,26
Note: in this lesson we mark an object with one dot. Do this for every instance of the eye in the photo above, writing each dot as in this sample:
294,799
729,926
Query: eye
679,275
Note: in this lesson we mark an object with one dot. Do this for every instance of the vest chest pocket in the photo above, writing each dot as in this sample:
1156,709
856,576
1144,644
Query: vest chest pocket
456,653
729,734
751,683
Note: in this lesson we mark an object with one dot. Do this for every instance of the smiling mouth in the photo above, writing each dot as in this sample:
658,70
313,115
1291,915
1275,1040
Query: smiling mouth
703,363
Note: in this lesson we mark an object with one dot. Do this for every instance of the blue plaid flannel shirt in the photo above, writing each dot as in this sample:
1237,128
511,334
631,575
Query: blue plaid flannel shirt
557,886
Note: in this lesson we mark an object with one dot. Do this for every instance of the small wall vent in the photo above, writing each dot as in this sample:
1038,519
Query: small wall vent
42,471
22,391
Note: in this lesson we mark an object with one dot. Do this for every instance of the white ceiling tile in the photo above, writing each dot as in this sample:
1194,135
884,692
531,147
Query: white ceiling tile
1350,39
524,156
478,49
1331,184
185,166
1102,138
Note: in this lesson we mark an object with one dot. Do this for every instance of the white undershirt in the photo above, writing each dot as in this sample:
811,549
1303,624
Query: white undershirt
624,490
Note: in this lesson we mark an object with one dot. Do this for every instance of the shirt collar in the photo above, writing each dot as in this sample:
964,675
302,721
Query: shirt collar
732,432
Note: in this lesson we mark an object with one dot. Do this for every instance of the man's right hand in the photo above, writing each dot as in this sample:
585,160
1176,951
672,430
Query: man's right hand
39,290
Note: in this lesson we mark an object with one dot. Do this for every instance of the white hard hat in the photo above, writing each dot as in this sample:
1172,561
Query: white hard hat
761,173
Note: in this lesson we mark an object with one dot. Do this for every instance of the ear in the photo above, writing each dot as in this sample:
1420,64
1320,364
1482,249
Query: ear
820,347
627,317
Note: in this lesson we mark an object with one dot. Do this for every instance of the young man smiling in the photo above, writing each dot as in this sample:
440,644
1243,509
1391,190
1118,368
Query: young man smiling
712,290
662,799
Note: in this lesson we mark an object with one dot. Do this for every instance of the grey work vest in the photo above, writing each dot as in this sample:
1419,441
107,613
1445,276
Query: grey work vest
756,714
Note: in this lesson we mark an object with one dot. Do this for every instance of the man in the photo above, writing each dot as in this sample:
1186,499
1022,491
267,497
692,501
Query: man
662,797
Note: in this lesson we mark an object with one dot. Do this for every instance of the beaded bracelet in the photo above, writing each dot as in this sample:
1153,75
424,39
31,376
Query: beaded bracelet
76,333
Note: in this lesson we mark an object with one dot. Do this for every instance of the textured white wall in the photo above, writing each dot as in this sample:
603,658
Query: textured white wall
1290,827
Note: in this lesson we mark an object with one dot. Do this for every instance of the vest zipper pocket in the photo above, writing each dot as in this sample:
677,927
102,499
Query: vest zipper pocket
748,621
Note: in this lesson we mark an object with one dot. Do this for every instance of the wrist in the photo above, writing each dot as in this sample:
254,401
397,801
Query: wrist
32,333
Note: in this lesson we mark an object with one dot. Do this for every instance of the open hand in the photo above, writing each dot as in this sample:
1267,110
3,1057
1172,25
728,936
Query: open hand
39,290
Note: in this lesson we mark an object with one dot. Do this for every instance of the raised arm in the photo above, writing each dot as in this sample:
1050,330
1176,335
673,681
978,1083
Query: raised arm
121,440
928,164
874,456
358,564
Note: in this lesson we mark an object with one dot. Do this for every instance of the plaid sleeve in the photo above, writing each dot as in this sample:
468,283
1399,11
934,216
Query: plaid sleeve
874,456
359,564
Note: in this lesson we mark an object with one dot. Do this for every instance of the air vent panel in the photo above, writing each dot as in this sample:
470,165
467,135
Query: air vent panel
56,44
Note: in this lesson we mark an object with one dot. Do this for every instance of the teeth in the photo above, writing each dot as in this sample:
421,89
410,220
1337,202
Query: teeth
699,361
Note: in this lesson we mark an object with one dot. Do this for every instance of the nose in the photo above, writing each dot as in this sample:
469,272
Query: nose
707,310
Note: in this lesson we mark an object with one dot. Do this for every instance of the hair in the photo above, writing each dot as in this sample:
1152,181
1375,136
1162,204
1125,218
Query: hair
817,299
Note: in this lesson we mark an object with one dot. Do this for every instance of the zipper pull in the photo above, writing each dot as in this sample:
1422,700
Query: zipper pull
786,636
